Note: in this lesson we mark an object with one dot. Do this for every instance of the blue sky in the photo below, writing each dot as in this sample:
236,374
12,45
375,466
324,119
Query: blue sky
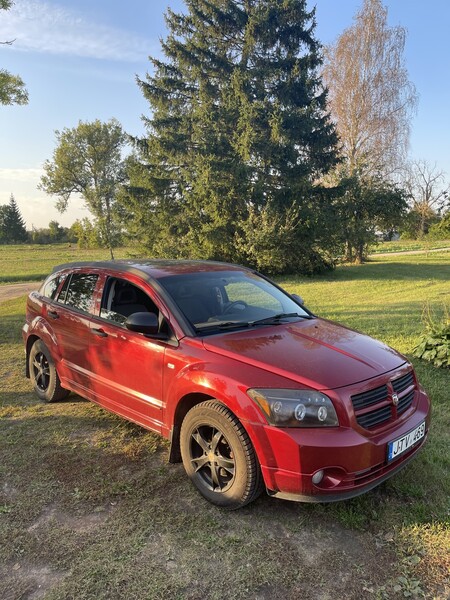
80,59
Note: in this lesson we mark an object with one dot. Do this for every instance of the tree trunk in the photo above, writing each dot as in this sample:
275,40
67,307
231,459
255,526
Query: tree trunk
348,252
359,257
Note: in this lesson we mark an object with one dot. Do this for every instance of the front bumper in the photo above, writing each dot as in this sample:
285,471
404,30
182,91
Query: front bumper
353,463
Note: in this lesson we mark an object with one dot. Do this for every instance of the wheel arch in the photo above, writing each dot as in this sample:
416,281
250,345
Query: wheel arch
183,407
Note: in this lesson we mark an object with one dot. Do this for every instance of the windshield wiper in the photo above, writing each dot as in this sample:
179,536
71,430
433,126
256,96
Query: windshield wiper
223,325
276,319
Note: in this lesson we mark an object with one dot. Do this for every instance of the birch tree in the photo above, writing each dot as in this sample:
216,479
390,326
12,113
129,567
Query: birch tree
370,95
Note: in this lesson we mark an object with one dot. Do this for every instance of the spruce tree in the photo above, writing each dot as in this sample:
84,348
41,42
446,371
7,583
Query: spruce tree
12,225
238,138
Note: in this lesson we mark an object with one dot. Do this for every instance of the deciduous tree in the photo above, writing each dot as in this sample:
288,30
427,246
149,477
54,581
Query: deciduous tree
429,193
12,87
88,161
371,101
365,210
370,95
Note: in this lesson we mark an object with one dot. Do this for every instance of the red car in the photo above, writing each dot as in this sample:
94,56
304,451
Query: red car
251,388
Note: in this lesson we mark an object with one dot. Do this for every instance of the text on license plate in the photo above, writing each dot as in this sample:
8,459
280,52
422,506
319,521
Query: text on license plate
401,445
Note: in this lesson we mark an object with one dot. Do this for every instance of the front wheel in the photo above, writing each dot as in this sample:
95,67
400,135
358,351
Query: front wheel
43,374
219,457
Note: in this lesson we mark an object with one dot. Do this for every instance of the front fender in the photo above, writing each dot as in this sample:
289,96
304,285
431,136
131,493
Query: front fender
197,382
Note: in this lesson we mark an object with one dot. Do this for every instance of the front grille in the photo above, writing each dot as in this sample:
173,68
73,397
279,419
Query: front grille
366,399
402,383
405,402
374,407
374,417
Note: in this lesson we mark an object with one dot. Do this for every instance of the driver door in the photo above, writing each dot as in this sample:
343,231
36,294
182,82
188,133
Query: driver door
127,366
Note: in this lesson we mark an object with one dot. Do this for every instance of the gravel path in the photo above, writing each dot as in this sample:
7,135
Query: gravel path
14,290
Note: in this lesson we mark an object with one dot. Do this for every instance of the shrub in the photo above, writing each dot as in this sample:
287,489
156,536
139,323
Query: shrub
434,345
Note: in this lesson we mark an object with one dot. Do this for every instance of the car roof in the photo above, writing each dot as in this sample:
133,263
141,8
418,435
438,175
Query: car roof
154,268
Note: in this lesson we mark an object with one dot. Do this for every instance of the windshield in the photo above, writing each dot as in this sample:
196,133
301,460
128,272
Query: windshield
227,299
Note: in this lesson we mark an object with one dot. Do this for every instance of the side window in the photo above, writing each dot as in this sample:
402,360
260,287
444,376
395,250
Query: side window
79,291
122,299
51,286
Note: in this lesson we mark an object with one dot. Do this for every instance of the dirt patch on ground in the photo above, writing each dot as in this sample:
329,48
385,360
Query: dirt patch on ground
77,523
30,582
9,292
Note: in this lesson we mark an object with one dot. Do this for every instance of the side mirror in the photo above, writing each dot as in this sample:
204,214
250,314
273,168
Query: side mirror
143,322
297,299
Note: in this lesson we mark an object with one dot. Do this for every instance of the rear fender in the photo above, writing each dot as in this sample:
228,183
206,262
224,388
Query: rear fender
39,329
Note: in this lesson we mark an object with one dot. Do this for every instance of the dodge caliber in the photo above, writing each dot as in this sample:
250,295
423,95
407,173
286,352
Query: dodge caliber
253,391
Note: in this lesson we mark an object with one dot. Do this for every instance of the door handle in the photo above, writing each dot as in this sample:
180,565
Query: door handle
53,314
99,332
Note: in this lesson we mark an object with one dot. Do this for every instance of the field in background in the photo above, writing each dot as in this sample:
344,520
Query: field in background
409,245
33,262
90,509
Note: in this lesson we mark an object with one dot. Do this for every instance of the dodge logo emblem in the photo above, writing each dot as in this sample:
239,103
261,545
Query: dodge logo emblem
394,399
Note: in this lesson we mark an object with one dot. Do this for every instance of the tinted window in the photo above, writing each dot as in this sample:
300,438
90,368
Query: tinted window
121,299
80,291
208,298
51,286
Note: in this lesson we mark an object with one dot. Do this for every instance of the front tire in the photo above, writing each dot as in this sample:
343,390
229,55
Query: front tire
219,457
43,374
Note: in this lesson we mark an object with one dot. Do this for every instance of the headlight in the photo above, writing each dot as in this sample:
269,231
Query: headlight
295,408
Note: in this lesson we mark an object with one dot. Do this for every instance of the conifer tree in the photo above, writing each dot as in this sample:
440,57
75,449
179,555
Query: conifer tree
238,138
12,225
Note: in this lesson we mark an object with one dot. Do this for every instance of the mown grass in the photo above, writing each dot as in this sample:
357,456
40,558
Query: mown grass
34,262
89,507
408,245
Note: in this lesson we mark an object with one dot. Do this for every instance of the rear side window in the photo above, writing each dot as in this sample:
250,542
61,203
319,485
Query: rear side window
51,286
79,291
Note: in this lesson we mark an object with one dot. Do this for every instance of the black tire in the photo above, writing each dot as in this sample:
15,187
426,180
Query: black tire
219,457
43,374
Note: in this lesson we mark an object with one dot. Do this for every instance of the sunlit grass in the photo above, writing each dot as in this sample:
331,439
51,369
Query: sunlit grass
408,245
35,262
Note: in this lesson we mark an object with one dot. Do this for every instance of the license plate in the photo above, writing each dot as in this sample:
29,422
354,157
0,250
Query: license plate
397,447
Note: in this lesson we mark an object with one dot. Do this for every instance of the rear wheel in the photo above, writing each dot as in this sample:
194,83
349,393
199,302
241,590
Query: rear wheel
43,374
219,457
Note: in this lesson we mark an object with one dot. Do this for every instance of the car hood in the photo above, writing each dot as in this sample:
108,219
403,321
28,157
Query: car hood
316,353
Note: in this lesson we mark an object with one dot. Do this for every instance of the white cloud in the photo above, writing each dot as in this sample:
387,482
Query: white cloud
22,175
49,28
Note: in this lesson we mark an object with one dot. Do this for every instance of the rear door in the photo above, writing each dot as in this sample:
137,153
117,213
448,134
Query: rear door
70,317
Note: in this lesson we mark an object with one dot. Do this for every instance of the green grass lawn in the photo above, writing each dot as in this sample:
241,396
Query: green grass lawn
35,262
90,508
407,245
